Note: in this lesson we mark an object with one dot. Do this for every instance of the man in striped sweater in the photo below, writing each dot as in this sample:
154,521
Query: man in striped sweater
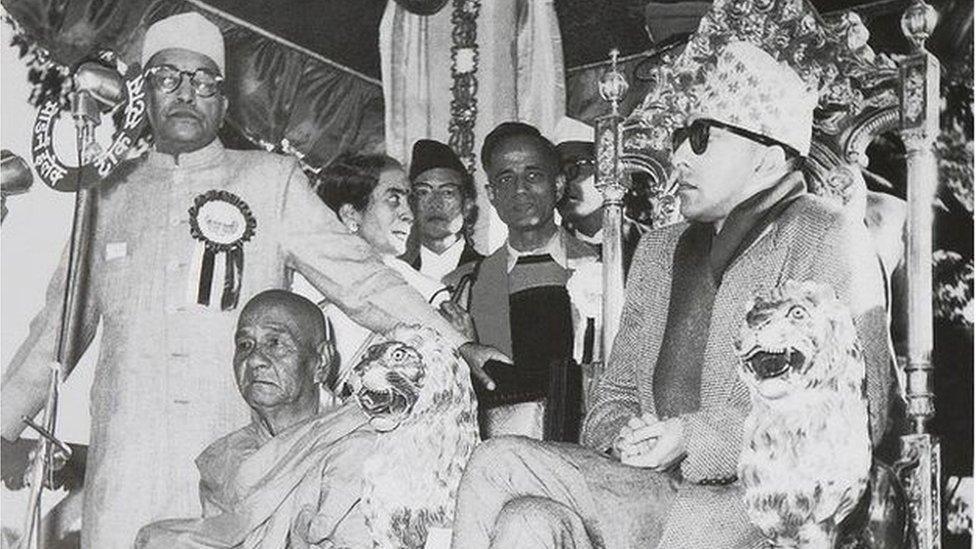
519,301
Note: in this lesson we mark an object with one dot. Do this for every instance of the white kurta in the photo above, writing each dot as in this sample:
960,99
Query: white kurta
436,266
164,386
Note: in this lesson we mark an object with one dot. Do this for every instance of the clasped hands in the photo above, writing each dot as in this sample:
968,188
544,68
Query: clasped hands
650,443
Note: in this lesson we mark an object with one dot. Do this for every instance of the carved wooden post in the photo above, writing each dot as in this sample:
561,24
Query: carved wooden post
611,181
919,77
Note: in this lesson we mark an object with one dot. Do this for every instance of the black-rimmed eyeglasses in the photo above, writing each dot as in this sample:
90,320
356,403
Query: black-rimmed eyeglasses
698,131
577,168
447,193
169,78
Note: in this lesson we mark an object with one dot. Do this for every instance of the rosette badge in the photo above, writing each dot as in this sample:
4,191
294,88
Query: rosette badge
222,222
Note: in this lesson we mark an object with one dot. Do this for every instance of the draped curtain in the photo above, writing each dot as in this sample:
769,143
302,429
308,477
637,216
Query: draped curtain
518,68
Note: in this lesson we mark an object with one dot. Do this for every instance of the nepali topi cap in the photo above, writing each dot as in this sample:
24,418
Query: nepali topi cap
429,154
189,31
749,89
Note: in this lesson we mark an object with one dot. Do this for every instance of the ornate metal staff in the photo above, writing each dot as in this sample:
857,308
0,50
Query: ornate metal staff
612,182
919,77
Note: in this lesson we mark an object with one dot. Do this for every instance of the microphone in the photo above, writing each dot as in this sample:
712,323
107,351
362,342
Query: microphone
15,174
97,89
15,178
104,84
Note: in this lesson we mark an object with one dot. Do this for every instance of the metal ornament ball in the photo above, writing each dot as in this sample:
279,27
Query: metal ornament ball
918,22
613,85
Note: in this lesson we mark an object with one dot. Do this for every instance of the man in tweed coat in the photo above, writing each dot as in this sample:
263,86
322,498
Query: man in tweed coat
663,435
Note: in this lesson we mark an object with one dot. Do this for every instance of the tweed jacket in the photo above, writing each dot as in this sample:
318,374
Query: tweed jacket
811,240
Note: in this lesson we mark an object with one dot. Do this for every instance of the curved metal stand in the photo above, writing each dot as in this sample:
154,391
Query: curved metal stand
87,117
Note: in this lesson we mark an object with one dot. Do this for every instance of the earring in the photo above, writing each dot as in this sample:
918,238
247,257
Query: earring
353,226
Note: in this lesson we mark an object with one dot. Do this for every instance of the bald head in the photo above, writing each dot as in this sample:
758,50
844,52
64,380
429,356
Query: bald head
305,317
280,356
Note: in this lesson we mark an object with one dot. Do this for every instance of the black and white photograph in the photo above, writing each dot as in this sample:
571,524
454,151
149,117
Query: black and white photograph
472,274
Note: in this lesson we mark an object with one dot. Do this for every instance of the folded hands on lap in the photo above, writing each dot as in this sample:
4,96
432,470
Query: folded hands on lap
650,443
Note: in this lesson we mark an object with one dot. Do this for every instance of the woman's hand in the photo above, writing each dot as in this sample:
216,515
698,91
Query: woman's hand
474,353
477,355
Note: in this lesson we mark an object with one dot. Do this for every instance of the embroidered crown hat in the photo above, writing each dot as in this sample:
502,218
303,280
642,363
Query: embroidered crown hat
189,31
749,89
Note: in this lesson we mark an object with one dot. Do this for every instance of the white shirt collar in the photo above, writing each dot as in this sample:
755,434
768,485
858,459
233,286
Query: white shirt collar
418,281
207,155
596,239
556,247
436,265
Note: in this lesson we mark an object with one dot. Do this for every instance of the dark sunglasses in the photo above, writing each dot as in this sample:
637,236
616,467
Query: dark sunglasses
169,78
580,167
697,135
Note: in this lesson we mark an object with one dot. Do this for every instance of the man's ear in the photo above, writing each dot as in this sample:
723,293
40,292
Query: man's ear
467,207
224,103
490,191
327,372
770,160
560,186
350,217
469,211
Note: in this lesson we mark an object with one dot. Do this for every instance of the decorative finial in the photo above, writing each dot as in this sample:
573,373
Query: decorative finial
918,22
613,84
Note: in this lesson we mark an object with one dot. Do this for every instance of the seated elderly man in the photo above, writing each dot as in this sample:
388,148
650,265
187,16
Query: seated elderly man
664,433
282,354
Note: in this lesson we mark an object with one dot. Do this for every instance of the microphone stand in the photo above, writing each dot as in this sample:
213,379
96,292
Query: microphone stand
86,114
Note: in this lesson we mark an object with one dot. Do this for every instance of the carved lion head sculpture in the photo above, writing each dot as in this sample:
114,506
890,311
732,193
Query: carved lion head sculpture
799,337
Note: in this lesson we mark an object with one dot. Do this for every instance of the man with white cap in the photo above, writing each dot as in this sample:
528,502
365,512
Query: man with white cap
182,237
664,433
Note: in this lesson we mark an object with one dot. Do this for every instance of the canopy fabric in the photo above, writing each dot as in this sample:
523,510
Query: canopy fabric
313,68
282,97
344,31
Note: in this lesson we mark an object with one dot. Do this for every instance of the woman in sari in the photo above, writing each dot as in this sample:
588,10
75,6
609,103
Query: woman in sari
369,194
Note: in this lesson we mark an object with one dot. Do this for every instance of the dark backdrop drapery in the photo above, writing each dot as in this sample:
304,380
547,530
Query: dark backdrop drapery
323,96
281,97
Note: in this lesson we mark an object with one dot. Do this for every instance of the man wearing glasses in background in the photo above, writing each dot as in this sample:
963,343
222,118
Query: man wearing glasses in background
582,206
662,438
443,200
184,235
